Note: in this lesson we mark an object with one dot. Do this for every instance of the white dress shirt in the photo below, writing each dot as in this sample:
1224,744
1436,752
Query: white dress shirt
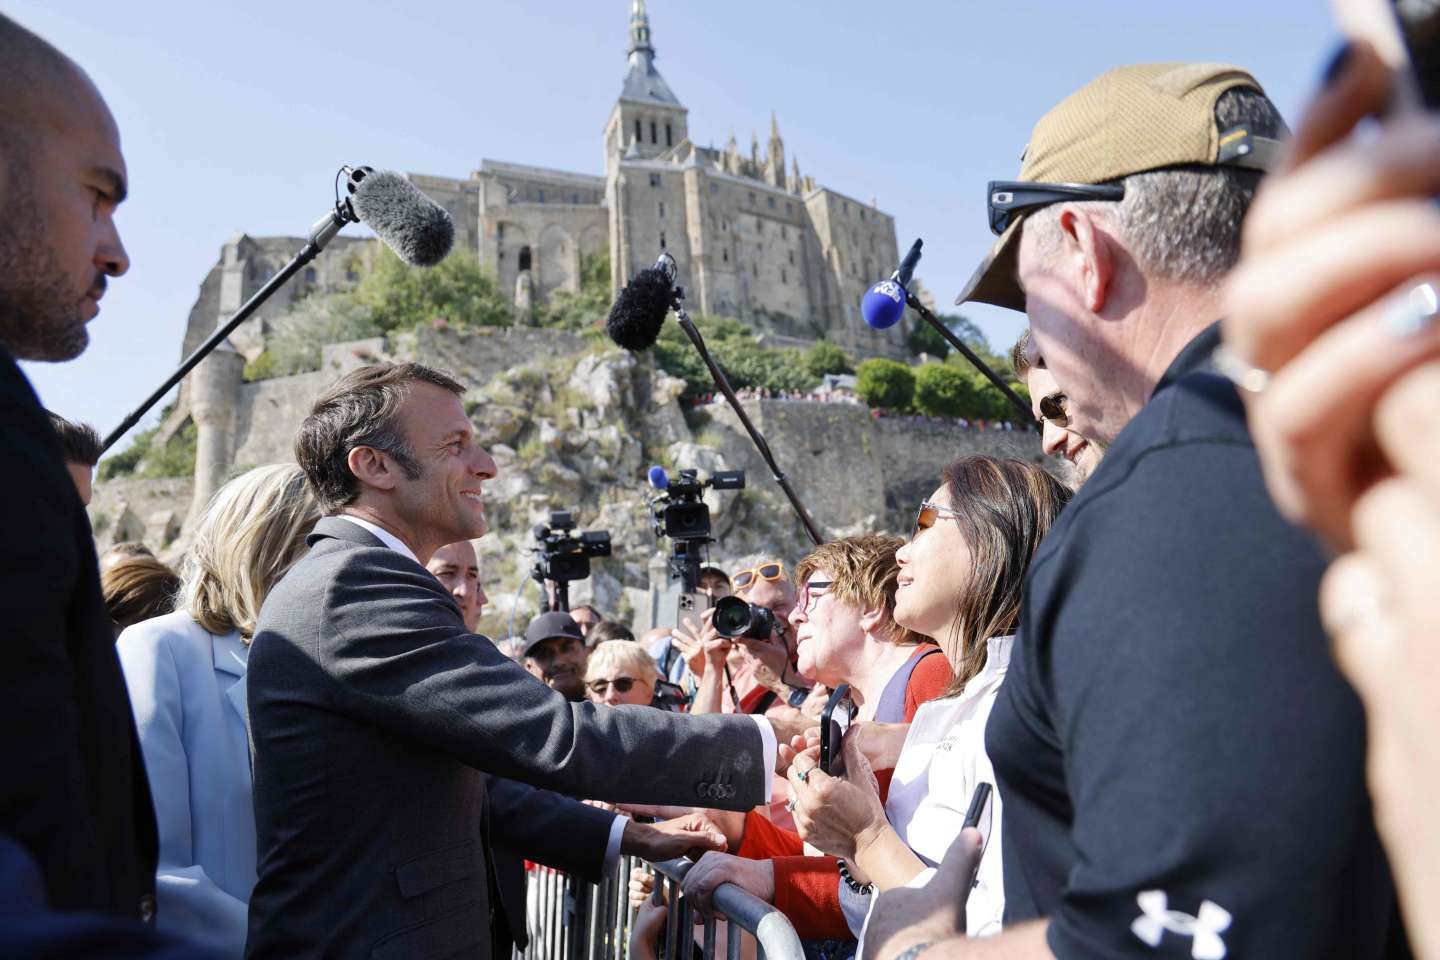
939,766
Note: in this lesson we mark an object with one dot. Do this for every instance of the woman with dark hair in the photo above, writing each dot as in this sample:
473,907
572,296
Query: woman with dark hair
960,582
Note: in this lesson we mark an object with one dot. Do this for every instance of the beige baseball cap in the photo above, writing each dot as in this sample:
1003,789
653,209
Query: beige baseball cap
1126,121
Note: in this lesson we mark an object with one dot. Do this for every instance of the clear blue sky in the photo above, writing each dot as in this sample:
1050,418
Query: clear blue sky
236,115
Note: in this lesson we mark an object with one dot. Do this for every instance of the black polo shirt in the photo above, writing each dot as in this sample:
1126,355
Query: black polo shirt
1181,763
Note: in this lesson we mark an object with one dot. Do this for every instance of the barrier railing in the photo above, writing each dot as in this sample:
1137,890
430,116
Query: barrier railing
570,919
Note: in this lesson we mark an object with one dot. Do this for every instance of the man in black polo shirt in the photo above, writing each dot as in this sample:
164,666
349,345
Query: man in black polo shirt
1181,764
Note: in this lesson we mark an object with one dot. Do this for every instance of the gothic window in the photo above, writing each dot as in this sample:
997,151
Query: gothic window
654,179
668,141
784,278
792,258
788,208
755,270
524,259
662,239
714,189
639,135
862,216
725,255
752,198
782,232
574,198
759,225
771,202
653,137
662,209
542,196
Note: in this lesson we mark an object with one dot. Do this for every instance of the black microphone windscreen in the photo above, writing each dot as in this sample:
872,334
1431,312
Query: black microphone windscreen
639,312
417,228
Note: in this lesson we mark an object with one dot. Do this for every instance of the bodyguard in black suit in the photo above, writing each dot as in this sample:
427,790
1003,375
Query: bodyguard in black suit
373,710
73,791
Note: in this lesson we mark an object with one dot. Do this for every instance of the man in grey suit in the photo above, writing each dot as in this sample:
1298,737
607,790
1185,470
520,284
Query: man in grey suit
373,710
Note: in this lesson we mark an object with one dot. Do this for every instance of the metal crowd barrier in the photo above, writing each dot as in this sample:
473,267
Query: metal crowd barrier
570,919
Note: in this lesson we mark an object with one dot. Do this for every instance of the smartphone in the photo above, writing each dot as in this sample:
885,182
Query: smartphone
689,606
834,721
1419,22
1406,35
979,808
670,696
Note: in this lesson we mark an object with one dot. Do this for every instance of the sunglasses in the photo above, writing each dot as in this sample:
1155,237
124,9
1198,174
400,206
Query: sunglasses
622,685
766,571
928,514
1008,199
1052,410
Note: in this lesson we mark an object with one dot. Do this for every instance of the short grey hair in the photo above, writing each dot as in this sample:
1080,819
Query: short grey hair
1183,224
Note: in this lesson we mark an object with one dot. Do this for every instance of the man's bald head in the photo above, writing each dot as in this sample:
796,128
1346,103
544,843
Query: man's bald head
61,178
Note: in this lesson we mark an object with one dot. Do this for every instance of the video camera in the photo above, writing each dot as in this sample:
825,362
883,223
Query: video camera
565,555
680,513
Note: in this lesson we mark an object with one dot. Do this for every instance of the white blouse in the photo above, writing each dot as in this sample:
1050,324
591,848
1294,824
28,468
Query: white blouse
941,762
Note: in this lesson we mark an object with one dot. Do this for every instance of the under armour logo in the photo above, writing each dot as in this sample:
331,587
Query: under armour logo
1205,928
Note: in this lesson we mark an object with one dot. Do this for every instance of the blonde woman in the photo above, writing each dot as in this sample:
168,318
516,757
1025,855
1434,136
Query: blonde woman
620,671
186,675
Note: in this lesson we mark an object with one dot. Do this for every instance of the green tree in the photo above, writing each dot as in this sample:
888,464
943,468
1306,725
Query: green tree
397,297
924,338
746,362
945,391
886,384
589,307
825,357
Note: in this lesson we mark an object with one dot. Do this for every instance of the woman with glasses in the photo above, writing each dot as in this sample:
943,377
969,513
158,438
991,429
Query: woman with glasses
845,633
960,582
620,671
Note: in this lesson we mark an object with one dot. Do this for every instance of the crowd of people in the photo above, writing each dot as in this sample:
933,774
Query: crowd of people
1195,681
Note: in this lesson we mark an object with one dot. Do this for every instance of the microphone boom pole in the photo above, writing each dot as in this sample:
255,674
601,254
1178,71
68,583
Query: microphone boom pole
914,303
723,383
321,235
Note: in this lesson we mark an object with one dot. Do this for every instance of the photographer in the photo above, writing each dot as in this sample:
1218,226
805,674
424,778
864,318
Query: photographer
746,674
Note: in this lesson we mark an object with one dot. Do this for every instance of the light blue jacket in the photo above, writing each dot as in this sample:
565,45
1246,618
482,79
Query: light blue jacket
187,688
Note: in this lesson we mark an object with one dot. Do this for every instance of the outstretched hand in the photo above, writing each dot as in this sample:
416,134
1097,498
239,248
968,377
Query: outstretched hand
904,917
690,835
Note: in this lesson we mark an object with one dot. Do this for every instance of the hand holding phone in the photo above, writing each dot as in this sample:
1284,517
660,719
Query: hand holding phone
834,721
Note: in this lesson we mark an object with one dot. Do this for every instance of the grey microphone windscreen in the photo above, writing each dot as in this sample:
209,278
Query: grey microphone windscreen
417,228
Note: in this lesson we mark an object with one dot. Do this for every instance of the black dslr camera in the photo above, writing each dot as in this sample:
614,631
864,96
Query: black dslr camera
565,555
735,617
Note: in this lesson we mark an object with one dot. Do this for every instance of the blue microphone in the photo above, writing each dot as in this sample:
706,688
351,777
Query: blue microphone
657,478
884,303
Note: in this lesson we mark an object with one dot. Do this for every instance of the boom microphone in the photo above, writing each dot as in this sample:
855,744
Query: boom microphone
640,310
884,303
417,228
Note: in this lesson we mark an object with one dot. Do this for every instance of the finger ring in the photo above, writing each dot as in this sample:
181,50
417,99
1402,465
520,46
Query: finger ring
804,775
1240,372
1414,312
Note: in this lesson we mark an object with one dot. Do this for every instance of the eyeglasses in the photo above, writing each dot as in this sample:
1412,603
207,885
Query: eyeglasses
1052,409
814,590
1007,199
766,571
927,515
622,685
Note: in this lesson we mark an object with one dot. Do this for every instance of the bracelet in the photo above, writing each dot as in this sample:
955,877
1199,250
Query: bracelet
864,889
912,952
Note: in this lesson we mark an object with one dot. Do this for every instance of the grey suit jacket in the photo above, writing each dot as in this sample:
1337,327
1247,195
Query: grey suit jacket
372,713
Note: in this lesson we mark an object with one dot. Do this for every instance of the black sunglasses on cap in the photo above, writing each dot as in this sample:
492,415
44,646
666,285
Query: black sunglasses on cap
1007,199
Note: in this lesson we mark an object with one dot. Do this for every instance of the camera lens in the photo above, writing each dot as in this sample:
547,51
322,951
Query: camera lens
732,617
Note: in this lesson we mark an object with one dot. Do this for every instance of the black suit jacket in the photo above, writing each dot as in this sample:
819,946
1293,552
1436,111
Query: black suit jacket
372,713
73,790
527,823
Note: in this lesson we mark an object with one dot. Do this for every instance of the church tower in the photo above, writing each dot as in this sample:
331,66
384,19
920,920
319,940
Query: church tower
648,117
775,158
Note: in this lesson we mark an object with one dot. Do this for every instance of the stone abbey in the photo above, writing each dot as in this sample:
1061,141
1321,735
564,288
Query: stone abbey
754,238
